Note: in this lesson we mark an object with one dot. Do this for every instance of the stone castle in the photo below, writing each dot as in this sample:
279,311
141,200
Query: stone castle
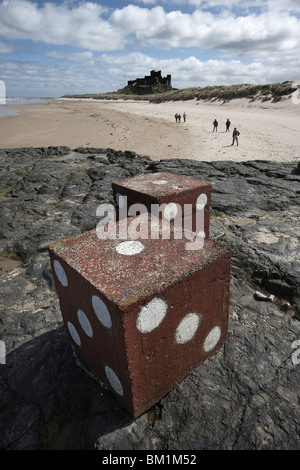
154,78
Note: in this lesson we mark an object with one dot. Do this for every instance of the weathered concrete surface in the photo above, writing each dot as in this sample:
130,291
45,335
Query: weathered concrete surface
246,396
143,314
179,198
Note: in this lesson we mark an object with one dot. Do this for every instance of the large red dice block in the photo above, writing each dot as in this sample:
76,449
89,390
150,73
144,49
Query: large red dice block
189,195
142,314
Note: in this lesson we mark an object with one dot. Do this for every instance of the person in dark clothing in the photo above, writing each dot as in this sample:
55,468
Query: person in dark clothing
228,125
215,123
235,135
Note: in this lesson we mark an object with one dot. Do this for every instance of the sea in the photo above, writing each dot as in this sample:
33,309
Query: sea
15,101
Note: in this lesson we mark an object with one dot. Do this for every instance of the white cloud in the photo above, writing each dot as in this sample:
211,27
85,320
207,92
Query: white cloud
8,48
286,5
147,2
87,57
84,26
133,19
241,5
80,26
228,4
243,35
28,79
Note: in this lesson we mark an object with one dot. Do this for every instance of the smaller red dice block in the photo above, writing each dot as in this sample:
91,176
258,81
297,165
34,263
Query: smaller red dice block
142,314
167,189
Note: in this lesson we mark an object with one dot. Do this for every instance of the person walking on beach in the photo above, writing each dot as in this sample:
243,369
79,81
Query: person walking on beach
179,117
235,135
227,125
184,117
176,117
215,123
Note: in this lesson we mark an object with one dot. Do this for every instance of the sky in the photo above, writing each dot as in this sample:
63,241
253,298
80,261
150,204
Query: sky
53,48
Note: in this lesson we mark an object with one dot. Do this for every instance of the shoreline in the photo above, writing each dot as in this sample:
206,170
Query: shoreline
268,131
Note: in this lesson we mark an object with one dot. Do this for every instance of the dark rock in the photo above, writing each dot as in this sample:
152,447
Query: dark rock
243,397
90,150
99,158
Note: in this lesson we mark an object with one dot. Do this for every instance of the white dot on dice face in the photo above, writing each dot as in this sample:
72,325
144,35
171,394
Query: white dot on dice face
160,182
187,328
101,311
151,315
74,333
60,273
130,248
113,380
212,339
170,211
85,324
201,201
120,200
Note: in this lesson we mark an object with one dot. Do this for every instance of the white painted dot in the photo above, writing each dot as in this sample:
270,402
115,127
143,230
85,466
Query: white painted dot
114,380
101,311
120,200
130,248
60,273
74,333
170,211
160,182
85,324
187,328
151,315
212,339
201,201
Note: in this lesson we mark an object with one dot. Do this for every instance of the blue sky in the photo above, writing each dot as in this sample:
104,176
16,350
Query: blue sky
58,47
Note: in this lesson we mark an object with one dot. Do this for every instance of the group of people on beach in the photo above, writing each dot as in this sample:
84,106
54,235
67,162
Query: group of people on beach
235,133
178,117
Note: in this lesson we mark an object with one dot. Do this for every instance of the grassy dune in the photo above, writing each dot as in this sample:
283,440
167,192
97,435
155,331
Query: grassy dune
272,92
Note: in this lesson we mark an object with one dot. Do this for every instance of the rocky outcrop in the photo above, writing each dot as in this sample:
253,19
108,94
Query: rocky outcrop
246,396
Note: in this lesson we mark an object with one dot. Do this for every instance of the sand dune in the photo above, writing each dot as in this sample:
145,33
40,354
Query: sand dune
269,131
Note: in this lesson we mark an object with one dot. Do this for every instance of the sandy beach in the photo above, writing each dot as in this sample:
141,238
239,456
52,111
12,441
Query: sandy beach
268,131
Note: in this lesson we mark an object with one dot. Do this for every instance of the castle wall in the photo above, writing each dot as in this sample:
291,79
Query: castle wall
154,79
